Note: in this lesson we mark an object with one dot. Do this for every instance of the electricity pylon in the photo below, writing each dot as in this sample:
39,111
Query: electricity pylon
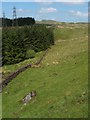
4,20
14,20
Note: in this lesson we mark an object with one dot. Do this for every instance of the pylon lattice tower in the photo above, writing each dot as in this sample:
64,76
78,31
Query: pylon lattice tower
4,20
14,20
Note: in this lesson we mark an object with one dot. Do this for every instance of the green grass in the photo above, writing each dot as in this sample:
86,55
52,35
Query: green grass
7,69
61,82
68,32
0,105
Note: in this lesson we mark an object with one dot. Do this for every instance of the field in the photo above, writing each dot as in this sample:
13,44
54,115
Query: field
61,80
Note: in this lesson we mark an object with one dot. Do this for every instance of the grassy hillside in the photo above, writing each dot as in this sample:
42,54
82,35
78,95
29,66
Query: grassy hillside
61,82
0,105
7,69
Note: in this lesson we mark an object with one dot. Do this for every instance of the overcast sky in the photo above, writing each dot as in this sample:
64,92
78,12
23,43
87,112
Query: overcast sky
59,10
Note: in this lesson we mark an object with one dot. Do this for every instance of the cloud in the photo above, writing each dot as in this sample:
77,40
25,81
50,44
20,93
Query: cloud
20,10
78,13
48,10
44,11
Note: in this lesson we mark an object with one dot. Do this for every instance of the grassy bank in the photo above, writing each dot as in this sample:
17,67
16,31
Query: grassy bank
61,81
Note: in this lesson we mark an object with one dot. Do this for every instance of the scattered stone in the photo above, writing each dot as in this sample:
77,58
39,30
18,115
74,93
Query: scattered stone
36,66
28,97
6,92
84,93
47,64
55,63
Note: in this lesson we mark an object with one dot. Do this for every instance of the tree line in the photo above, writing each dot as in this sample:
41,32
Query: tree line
20,43
19,21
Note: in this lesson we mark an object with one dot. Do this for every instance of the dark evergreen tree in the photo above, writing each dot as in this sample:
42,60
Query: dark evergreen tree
21,21
19,43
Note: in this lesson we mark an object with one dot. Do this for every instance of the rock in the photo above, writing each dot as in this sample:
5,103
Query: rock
6,92
84,93
47,64
55,63
33,93
36,66
28,97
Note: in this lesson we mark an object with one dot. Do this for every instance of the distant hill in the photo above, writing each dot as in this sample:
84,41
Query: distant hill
47,22
57,22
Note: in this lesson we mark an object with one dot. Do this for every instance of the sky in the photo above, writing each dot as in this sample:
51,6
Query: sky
58,10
